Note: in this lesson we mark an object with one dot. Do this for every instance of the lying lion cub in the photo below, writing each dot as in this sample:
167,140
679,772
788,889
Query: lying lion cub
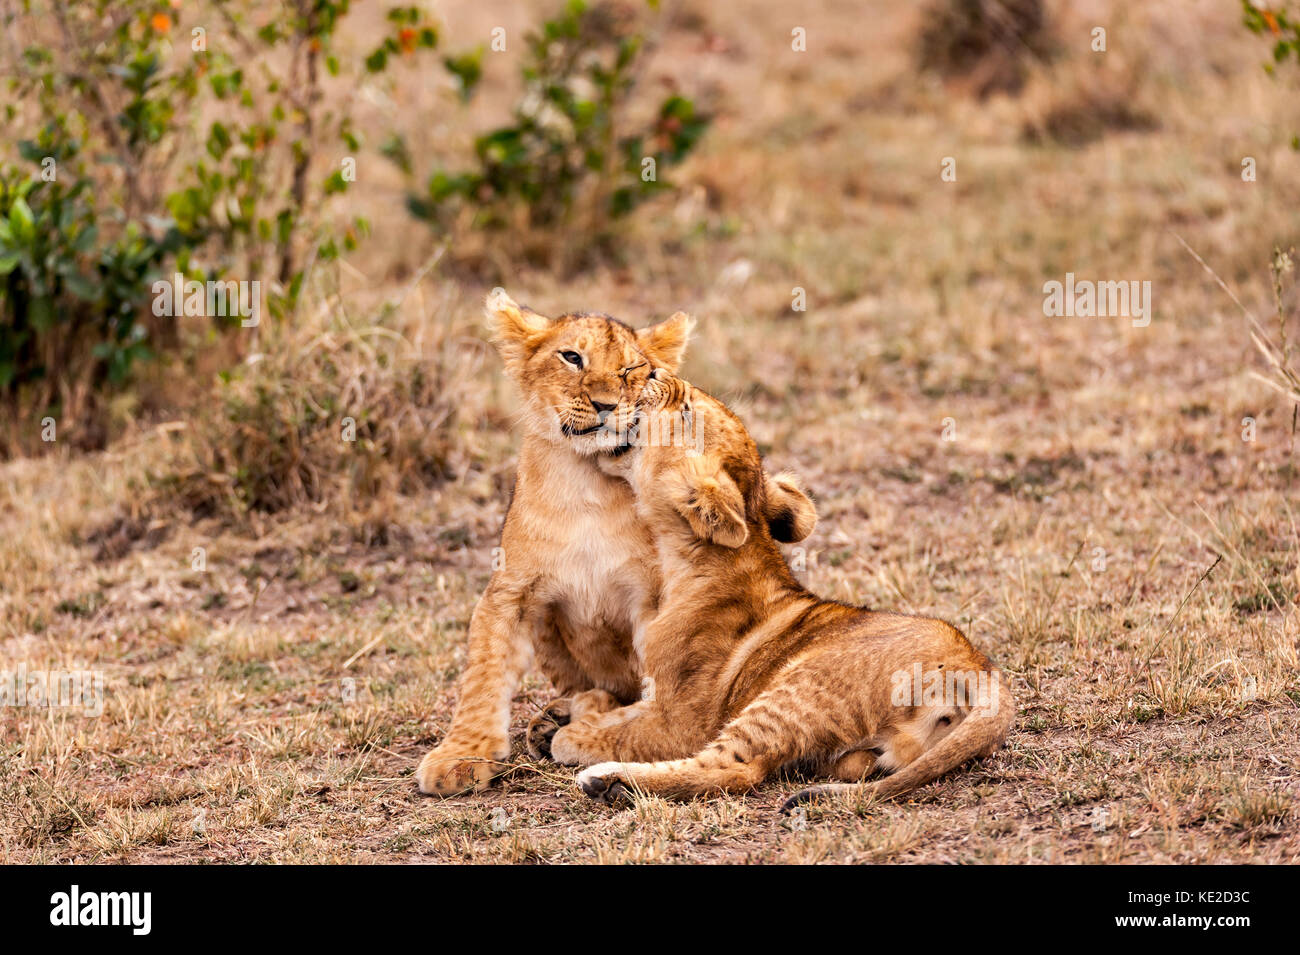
751,672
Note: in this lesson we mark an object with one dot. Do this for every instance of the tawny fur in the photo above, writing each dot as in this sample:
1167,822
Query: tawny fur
579,576
751,671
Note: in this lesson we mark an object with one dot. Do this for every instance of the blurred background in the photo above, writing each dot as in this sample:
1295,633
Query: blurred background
860,202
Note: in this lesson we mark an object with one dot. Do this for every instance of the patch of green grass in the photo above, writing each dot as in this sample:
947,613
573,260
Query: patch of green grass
83,606
1277,594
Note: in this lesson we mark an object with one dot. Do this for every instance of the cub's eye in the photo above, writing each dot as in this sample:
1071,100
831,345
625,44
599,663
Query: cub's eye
572,358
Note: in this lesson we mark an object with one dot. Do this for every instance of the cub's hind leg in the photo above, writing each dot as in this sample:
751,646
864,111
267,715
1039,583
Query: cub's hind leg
790,722
726,765
639,731
930,744
854,765
561,712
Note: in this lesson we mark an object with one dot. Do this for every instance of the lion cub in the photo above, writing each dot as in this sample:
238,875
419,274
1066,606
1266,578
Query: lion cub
752,672
577,577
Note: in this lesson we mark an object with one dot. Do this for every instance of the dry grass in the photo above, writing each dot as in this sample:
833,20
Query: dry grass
332,411
273,706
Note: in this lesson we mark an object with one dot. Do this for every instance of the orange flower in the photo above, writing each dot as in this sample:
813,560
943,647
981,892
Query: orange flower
1271,21
160,22
406,38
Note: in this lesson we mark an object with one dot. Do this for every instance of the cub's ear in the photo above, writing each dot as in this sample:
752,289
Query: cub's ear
517,329
789,511
712,504
665,344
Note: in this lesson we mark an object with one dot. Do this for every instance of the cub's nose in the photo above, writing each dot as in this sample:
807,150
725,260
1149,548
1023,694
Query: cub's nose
602,408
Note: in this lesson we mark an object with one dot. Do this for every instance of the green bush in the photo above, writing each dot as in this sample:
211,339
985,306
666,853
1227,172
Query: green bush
71,297
161,150
1285,32
58,272
126,186
571,161
1278,24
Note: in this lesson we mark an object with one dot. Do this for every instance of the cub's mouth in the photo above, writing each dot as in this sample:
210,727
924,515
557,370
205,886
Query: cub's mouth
569,431
613,424
613,438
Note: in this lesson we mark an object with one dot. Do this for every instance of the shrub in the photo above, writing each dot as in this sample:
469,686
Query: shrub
332,412
1087,105
987,42
123,191
70,301
572,161
1277,23
1284,29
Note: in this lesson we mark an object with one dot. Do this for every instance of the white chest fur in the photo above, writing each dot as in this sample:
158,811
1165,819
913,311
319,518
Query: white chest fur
591,554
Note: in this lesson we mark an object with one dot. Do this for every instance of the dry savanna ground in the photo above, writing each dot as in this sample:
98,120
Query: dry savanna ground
1058,487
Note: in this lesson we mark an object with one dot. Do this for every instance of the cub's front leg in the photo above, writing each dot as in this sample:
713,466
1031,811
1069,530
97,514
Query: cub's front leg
478,742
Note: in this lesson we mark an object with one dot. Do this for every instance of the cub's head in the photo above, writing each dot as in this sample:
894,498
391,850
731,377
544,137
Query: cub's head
694,456
581,374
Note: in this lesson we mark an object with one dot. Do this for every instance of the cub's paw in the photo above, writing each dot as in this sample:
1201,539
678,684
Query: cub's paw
603,783
446,774
791,802
662,389
544,726
813,793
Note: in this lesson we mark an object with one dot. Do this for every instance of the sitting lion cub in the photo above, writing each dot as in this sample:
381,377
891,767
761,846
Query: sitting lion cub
751,672
577,576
